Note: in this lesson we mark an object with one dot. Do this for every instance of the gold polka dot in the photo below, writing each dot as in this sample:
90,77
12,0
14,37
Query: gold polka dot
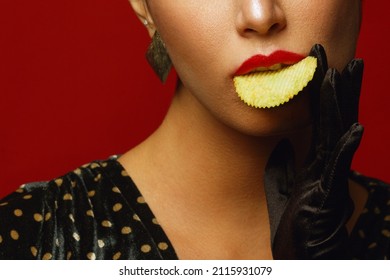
136,217
47,256
76,236
104,164
14,234
126,230
67,196
361,234
18,212
77,171
85,165
101,243
97,178
106,223
73,184
154,221
140,199
386,233
59,182
146,248
3,204
372,184
47,216
91,193
20,190
56,204
71,217
387,218
117,256
117,207
27,196
94,165
22,186
377,210
38,217
116,190
162,246
372,245
34,251
124,173
68,255
91,256
1,239
90,213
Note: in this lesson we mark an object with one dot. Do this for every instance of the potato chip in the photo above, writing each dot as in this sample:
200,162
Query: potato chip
269,89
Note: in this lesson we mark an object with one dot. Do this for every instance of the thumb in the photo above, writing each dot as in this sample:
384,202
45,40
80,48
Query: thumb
342,159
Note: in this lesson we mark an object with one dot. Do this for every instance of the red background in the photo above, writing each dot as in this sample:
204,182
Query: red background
74,87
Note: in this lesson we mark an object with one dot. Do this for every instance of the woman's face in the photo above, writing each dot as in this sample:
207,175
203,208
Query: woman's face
208,40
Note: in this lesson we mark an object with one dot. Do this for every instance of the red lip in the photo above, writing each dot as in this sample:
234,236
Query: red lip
276,57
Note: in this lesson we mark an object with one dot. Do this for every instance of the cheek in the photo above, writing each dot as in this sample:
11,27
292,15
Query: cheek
192,31
334,24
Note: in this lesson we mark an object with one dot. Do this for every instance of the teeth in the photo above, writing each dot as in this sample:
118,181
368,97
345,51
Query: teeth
276,67
271,68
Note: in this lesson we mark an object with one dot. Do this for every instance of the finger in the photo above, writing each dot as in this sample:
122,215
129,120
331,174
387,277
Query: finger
349,101
314,89
342,159
330,126
318,52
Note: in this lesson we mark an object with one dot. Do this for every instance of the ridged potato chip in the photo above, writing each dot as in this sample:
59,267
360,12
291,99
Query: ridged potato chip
269,89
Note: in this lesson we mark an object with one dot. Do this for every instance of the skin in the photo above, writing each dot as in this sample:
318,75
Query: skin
203,165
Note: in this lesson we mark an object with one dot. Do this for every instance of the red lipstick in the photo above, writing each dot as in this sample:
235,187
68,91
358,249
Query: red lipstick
277,57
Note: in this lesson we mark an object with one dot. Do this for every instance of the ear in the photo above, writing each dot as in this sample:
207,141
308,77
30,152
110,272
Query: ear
141,9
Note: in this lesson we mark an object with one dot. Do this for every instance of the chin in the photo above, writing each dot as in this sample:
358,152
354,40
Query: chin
278,121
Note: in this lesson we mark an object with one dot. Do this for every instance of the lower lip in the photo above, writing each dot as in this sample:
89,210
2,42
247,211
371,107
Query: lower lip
278,57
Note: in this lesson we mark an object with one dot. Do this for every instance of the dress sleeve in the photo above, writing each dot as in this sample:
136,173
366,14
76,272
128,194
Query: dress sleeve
370,239
23,215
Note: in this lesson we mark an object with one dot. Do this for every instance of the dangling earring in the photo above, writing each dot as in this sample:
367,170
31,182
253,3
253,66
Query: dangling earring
158,57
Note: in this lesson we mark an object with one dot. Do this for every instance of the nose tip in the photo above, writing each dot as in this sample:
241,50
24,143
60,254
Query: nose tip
260,16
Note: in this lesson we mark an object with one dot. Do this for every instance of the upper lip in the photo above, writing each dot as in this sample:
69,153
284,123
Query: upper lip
267,61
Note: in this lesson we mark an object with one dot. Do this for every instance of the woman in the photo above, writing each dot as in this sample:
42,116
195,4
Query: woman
198,187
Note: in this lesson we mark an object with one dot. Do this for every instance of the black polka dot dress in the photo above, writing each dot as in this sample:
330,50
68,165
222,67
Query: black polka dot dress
370,239
96,212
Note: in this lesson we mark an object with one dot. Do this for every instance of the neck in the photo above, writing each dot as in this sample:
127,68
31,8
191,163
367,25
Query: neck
221,162
204,182
201,161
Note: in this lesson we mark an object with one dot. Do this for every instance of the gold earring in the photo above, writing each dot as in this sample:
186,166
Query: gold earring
158,57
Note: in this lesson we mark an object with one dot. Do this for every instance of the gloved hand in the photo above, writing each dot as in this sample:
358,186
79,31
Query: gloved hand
309,209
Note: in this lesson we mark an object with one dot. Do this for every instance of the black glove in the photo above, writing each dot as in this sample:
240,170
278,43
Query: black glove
309,209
